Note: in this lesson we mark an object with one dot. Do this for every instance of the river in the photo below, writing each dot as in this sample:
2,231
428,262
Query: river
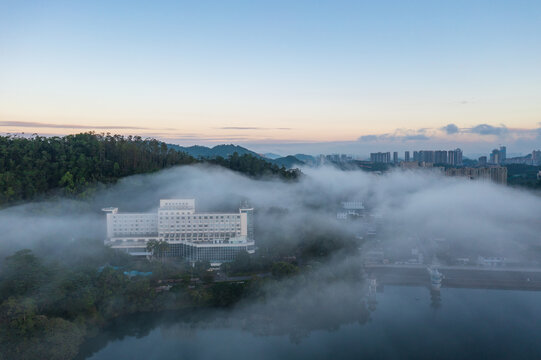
402,323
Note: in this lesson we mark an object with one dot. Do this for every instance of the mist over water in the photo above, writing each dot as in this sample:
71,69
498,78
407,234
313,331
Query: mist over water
471,323
475,218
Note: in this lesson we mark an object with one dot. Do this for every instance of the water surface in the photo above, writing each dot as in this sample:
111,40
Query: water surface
403,323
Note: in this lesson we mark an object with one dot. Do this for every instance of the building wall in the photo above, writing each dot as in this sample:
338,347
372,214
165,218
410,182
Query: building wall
131,224
496,174
177,223
198,227
208,253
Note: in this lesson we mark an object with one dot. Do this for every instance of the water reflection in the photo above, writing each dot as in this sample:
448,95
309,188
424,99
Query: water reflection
435,298
385,323
371,294
291,312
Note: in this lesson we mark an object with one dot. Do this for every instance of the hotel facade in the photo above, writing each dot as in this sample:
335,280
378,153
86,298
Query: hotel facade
216,237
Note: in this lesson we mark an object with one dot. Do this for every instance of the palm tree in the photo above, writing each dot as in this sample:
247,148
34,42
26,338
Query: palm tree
158,247
151,247
161,248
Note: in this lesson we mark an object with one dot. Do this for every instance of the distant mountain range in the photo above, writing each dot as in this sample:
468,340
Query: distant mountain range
307,159
288,162
203,152
272,156
224,151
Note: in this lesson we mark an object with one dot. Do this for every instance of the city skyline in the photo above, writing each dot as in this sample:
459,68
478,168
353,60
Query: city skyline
277,76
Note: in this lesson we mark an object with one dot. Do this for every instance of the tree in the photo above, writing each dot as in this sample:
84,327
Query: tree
22,274
40,165
282,269
158,248
151,246
67,182
208,277
18,317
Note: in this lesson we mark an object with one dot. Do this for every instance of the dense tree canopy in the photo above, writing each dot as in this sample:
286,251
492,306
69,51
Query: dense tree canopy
523,175
70,164
32,166
254,166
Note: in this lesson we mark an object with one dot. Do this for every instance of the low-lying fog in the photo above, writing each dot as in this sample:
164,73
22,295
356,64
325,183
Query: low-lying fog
477,215
474,217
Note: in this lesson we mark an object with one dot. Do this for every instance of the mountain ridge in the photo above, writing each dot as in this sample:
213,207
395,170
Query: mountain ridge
226,150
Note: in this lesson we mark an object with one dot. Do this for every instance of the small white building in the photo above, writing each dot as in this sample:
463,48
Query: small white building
490,261
350,210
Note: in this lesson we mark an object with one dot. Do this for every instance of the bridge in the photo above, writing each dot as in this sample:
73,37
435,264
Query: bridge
511,278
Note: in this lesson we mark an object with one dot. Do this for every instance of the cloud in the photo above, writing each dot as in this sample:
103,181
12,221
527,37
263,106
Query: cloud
424,134
369,138
450,129
415,137
516,134
397,135
250,128
72,126
485,129
481,129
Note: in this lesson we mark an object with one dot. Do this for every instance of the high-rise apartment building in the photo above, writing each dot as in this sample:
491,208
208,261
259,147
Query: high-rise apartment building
440,157
495,157
536,157
426,156
380,157
497,174
482,161
503,154
454,157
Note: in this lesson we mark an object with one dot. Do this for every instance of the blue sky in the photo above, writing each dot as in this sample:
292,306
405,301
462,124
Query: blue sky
275,72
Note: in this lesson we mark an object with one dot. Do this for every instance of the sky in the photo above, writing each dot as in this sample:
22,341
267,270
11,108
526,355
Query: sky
277,76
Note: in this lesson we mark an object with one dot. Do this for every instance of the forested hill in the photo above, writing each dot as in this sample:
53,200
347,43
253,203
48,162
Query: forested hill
72,164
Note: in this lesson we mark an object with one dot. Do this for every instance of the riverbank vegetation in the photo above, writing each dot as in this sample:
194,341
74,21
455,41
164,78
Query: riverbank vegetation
50,303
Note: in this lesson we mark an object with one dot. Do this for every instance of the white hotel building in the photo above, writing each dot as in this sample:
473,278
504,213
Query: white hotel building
215,237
